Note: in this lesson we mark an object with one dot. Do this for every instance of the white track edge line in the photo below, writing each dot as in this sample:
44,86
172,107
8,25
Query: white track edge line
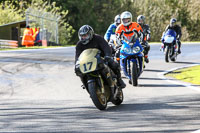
161,75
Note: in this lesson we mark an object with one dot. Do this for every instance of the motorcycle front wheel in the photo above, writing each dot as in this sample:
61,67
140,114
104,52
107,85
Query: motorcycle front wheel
167,54
99,99
134,74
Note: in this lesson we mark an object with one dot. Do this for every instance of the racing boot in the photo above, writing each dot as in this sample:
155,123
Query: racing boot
179,50
179,47
121,83
112,94
146,59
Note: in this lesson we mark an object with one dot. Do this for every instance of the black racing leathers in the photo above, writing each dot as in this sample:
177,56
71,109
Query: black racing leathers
146,33
178,31
99,43
146,30
96,42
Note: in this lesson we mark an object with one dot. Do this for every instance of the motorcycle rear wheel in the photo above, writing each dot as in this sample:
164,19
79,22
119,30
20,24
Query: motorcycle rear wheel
99,99
119,99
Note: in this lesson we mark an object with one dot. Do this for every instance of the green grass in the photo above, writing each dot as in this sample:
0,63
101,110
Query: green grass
191,74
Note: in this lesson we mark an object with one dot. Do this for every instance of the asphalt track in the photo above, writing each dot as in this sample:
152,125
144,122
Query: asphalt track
39,92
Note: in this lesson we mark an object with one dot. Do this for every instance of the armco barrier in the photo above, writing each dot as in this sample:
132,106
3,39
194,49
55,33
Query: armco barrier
8,44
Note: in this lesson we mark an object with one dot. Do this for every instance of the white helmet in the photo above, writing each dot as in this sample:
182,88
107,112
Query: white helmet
117,19
124,16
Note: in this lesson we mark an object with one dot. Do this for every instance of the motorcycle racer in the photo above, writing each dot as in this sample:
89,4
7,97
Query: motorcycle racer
126,28
88,39
177,29
111,29
146,32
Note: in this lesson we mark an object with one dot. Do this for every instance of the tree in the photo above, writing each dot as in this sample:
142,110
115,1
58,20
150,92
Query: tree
14,10
8,13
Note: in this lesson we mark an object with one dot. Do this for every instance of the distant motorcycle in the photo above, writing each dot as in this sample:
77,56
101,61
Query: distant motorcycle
99,80
170,47
132,58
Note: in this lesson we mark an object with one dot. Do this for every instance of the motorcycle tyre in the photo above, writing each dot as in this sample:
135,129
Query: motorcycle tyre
134,74
93,88
119,99
167,54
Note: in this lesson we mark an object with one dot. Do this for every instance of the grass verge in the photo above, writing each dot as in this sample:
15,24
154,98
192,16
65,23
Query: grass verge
34,47
191,74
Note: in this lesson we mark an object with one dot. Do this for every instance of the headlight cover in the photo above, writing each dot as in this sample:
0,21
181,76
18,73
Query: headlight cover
136,49
127,50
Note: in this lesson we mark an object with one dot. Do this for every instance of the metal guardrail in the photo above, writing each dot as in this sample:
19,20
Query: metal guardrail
8,44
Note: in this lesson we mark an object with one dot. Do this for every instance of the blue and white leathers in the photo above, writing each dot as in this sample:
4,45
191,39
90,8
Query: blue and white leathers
131,53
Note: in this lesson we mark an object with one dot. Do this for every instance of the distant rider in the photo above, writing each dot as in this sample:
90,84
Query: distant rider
112,28
88,39
177,29
146,38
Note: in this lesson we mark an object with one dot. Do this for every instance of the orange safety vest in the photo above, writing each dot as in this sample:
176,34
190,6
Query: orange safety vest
129,28
28,39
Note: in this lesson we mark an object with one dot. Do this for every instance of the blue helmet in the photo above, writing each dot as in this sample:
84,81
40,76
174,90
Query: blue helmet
172,22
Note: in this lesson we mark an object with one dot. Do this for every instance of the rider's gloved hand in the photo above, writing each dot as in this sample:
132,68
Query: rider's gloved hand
107,59
76,69
148,37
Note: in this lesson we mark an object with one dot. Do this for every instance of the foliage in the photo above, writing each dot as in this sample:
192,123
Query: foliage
8,13
100,14
65,29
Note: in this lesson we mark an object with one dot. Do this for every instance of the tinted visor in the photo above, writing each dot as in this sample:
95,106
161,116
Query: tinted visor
172,24
140,21
84,36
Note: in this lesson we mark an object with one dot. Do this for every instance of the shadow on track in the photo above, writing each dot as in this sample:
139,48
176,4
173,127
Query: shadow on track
154,70
160,85
182,62
133,116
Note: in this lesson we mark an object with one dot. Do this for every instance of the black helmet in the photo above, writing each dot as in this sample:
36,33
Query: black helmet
141,19
85,34
172,22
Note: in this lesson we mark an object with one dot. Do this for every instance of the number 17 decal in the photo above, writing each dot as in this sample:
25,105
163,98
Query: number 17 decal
87,66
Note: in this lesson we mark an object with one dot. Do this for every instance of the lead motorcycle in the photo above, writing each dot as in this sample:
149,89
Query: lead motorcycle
132,58
98,79
170,45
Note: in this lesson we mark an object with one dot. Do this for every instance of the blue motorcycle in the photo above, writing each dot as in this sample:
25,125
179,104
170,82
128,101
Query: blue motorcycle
170,47
132,59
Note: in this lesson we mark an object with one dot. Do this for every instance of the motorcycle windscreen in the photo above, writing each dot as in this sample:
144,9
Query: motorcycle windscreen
170,32
169,39
88,61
